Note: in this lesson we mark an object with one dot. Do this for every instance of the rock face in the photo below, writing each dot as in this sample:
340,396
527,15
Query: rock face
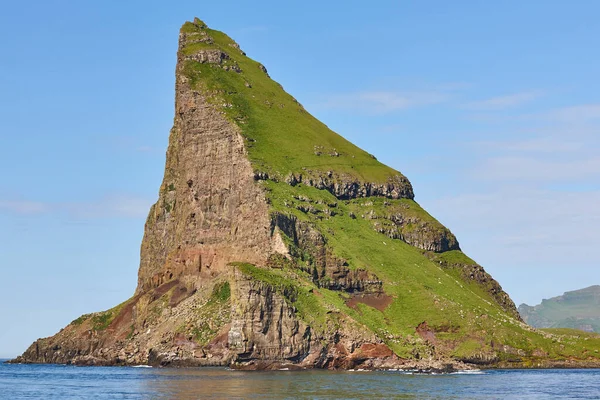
344,188
276,243
309,245
210,211
264,326
413,226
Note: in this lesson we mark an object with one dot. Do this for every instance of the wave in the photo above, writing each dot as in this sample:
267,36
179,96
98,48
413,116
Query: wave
469,372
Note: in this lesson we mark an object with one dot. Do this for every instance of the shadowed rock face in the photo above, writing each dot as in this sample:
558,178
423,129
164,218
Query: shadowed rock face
232,274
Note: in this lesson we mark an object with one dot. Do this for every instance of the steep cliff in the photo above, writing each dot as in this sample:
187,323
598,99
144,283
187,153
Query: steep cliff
275,242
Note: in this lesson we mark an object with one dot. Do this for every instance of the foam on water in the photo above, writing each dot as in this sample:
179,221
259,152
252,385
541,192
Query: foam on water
468,372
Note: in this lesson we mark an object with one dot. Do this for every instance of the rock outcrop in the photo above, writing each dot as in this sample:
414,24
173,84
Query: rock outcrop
345,187
264,326
421,231
309,248
276,243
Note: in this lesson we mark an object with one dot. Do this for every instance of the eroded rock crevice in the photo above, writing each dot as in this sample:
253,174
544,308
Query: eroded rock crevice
309,248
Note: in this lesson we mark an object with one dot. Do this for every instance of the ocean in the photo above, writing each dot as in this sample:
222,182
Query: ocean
70,382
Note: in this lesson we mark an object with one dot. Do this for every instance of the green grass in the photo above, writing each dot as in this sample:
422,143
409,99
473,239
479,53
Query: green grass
221,293
80,320
212,315
422,289
282,138
572,332
468,348
100,320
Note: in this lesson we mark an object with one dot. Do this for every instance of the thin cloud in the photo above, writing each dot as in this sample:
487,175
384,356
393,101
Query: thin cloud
575,114
531,219
519,233
113,206
504,102
110,206
538,170
23,207
534,145
381,102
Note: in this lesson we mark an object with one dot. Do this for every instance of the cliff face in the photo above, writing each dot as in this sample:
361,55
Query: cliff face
210,211
275,242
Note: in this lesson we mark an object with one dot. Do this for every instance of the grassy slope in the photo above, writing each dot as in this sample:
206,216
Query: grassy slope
282,137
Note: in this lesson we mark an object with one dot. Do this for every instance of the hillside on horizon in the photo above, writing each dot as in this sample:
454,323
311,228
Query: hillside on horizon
576,309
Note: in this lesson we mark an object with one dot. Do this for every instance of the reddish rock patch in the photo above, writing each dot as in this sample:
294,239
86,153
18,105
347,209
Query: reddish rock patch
379,301
123,321
341,349
164,288
221,338
218,346
426,333
181,339
179,294
375,350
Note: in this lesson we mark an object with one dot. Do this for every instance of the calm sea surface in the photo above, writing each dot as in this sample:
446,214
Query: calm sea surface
66,382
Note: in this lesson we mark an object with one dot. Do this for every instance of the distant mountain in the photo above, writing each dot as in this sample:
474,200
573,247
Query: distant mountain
579,309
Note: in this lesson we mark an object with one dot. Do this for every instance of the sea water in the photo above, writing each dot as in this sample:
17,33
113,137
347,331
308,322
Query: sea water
70,382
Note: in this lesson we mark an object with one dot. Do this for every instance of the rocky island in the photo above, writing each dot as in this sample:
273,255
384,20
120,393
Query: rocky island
276,243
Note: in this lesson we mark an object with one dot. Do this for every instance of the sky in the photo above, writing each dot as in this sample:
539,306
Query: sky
491,109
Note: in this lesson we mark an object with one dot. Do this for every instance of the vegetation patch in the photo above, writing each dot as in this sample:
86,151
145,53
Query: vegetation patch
221,293
211,316
81,320
102,320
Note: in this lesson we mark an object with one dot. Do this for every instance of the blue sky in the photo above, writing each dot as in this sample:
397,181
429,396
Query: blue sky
490,108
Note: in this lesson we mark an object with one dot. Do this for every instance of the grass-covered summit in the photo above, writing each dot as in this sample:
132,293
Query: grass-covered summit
282,138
